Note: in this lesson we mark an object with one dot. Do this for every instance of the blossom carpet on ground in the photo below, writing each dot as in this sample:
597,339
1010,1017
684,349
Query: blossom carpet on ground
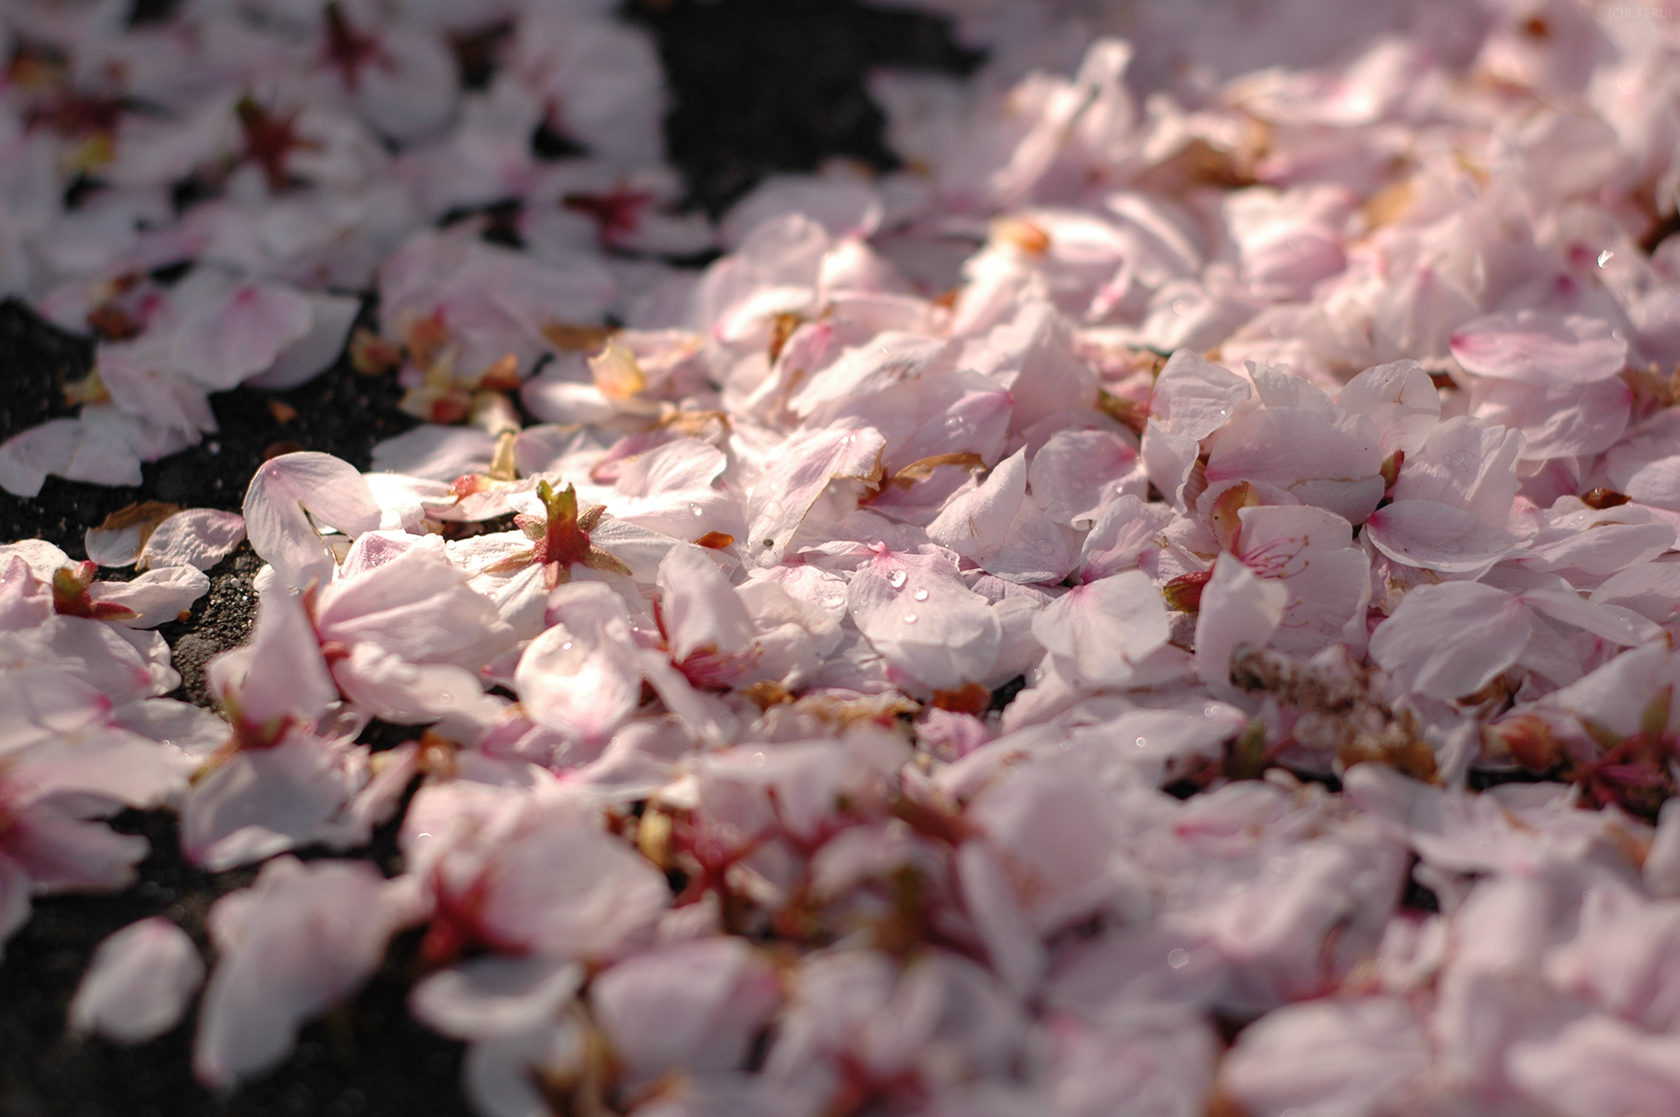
1157,598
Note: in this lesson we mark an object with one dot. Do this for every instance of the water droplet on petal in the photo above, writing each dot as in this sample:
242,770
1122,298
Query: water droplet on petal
758,760
920,595
566,647
694,510
1178,958
897,579
909,618
1141,742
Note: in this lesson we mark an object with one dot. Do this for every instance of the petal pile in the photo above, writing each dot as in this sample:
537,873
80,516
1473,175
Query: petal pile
1164,601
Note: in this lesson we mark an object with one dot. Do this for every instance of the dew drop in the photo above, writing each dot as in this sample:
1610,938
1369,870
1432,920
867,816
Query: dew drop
920,595
1183,306
694,510
909,618
1178,958
566,647
897,579
758,760
1141,742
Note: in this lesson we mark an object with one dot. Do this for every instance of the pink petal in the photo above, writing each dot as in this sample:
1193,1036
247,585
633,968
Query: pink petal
1540,349
139,983
1237,608
1351,1059
1336,467
301,938
1439,537
156,596
281,673
700,609
197,537
573,892
1194,397
285,492
1398,397
1104,627
796,474
226,339
580,677
1563,421
494,995
693,1006
916,612
1449,639
1468,464
266,801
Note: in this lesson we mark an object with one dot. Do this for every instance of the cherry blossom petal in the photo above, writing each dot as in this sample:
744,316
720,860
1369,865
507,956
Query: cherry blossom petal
283,496
266,801
695,1006
301,938
580,677
795,475
1466,464
492,996
1334,467
1324,1058
921,618
1538,349
281,673
158,595
1601,1067
1556,422
573,892
1194,397
1432,536
1400,399
331,317
223,340
1237,608
197,537
1103,628
1450,639
700,609
139,983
